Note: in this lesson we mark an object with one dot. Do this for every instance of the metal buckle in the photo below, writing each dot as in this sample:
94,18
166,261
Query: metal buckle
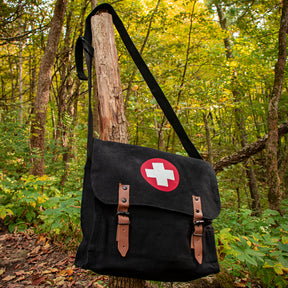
125,214
198,222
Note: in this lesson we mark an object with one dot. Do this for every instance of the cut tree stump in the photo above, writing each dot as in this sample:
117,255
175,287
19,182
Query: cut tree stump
112,120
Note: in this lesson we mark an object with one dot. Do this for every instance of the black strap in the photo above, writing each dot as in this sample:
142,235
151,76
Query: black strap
84,43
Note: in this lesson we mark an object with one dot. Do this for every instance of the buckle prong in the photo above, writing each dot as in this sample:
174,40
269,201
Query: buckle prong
198,222
123,213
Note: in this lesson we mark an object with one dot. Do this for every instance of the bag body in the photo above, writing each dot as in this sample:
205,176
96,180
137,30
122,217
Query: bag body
161,222
145,213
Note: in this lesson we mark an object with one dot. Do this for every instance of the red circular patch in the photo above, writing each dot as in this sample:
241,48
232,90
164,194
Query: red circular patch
161,174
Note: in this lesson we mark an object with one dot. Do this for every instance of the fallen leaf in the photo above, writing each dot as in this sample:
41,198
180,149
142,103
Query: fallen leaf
46,246
39,280
90,284
102,277
19,273
35,259
20,278
49,271
62,272
41,240
35,251
9,278
59,281
46,272
2,271
63,262
69,271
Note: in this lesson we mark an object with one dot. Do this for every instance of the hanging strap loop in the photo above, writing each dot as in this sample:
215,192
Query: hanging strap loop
84,43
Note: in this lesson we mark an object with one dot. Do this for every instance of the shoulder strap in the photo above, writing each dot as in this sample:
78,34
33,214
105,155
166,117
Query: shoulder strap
84,43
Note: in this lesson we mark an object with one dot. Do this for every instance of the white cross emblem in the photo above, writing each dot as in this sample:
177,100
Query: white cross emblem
160,173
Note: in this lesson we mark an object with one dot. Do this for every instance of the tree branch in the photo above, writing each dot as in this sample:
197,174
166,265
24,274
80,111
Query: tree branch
247,151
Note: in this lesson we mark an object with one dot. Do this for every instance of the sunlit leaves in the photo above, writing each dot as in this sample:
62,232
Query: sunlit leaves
260,246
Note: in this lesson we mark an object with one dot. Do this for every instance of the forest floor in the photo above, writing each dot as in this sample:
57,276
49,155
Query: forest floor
33,260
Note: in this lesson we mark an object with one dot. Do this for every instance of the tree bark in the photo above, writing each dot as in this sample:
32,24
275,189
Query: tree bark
112,124
37,139
112,121
122,282
273,180
96,120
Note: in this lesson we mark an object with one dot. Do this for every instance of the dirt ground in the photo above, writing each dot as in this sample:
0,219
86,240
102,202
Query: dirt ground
31,260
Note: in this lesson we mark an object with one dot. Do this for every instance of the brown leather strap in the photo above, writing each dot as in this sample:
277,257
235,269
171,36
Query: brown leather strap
122,236
196,239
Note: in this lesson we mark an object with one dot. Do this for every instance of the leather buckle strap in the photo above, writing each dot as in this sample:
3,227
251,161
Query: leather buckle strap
122,236
196,238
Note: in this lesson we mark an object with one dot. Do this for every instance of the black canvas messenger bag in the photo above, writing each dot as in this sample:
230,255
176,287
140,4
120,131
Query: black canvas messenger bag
145,213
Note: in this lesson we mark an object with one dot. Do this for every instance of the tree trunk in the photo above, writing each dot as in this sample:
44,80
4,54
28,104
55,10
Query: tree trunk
240,122
208,138
37,139
250,173
122,282
33,84
160,133
112,121
96,120
273,180
64,97
20,75
253,187
11,73
112,124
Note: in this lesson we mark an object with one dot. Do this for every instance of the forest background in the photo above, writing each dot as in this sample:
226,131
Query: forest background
221,64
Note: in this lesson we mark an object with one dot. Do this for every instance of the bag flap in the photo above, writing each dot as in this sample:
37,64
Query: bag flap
157,179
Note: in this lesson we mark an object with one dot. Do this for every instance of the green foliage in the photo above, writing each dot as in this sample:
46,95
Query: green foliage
39,202
22,200
14,145
61,216
256,247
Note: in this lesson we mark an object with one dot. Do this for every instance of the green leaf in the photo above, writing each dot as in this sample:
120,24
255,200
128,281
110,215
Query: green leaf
282,247
278,269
